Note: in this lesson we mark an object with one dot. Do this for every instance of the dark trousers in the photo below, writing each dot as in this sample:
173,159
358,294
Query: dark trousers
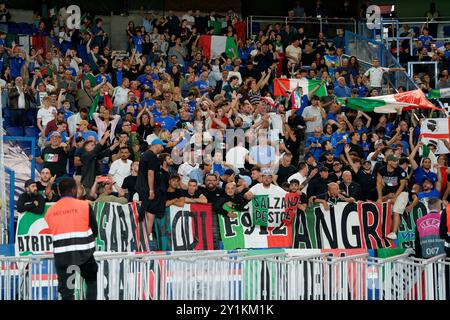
17,117
66,279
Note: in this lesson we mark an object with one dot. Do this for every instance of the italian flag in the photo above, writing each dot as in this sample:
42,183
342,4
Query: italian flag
284,86
214,46
391,103
94,105
439,93
253,236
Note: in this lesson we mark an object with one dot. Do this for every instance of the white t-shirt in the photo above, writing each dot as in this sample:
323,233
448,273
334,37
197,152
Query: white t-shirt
236,156
46,115
185,171
376,76
293,52
259,189
120,96
188,18
119,171
300,179
150,138
237,74
310,112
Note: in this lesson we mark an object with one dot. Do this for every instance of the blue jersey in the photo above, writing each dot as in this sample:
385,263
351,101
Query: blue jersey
138,43
316,152
431,194
338,148
167,123
420,174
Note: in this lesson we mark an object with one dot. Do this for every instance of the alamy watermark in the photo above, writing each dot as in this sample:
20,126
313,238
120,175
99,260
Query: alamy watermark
73,21
373,15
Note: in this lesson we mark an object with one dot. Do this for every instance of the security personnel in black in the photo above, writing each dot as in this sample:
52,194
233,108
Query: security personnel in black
74,228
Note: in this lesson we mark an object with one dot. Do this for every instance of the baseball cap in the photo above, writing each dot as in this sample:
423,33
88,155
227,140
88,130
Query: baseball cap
229,172
247,179
29,182
157,124
428,179
392,158
266,172
158,142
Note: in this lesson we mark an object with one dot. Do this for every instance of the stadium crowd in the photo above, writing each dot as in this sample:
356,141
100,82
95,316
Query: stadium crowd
109,119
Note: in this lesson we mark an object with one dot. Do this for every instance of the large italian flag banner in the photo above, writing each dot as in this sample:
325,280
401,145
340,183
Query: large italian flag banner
119,230
185,228
214,46
391,103
284,86
267,224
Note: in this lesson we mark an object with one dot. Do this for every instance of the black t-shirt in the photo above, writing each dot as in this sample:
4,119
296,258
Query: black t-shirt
55,160
129,183
284,173
391,180
164,179
212,195
196,194
149,161
367,181
357,149
78,153
178,193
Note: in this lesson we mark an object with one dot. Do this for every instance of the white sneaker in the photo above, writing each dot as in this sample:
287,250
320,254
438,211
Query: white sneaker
150,237
392,236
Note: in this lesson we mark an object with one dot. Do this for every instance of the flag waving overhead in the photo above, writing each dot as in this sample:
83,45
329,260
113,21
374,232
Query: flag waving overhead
391,103
439,93
214,46
283,86
373,105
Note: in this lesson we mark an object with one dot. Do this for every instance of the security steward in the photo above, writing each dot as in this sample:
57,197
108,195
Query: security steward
444,232
428,243
74,228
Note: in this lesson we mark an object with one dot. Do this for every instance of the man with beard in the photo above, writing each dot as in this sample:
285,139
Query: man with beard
286,169
424,171
213,194
428,190
319,185
46,186
230,202
31,200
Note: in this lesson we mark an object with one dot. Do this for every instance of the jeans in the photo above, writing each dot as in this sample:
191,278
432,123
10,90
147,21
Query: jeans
88,271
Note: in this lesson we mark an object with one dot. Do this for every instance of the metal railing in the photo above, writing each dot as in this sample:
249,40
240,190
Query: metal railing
366,49
247,274
312,26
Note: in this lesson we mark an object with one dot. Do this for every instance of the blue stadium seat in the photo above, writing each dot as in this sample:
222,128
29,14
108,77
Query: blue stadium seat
31,132
446,31
15,131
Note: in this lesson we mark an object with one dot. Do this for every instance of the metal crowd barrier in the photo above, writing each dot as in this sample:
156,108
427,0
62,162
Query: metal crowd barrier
246,274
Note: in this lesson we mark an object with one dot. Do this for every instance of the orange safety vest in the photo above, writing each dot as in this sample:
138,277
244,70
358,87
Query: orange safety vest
73,240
